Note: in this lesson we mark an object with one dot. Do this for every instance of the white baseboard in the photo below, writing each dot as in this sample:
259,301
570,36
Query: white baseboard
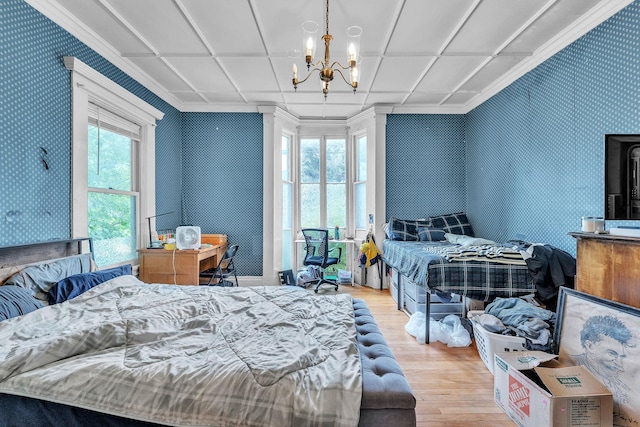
249,281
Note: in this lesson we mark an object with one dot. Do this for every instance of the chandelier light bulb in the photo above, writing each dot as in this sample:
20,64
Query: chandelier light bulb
309,46
352,52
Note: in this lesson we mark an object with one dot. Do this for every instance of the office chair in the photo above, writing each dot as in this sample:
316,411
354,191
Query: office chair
317,253
226,268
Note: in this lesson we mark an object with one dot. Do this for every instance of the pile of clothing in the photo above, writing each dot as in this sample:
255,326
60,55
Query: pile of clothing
550,268
516,316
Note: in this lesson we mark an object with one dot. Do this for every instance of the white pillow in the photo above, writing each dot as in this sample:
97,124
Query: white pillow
467,240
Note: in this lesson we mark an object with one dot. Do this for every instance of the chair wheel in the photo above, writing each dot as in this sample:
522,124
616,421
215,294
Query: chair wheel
315,290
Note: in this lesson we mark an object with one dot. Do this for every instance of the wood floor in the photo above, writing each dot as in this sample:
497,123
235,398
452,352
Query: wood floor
452,386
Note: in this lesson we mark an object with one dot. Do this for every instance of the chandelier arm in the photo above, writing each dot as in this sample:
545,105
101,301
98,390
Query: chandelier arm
319,62
342,75
309,75
339,65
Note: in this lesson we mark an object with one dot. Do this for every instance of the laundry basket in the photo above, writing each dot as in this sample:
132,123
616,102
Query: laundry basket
489,343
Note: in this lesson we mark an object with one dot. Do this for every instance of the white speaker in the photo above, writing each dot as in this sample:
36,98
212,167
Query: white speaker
188,237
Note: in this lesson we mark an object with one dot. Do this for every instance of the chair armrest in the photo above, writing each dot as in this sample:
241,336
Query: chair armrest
339,251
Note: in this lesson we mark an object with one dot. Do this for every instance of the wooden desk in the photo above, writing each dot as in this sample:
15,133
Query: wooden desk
181,267
607,266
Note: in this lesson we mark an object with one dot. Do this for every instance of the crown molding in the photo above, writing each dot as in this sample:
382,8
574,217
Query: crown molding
61,17
280,114
220,108
430,109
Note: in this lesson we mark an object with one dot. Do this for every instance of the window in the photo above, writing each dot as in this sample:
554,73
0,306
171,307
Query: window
287,203
112,185
323,188
113,160
323,182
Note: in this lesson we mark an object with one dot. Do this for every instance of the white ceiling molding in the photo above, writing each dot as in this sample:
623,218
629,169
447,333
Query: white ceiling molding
418,56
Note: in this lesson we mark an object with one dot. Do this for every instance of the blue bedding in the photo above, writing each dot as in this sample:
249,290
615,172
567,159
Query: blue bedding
485,280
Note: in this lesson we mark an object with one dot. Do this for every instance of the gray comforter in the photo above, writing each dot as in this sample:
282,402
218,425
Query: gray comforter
181,355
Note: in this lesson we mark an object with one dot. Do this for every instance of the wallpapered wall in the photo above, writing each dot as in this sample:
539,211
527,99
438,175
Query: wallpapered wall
535,151
222,180
533,154
35,112
425,161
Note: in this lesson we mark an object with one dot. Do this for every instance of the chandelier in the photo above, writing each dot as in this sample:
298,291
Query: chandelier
325,67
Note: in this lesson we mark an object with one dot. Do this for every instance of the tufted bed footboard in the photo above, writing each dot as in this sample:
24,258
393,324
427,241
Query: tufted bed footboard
387,399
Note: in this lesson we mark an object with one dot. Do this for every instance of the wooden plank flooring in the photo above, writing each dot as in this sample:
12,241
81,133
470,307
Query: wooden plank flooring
452,386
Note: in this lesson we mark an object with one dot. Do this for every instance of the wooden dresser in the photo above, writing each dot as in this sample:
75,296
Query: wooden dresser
608,266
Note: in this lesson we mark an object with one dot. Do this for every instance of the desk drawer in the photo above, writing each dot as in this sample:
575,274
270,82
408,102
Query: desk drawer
166,278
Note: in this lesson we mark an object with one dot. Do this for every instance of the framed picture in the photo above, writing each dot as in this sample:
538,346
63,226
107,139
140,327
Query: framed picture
603,336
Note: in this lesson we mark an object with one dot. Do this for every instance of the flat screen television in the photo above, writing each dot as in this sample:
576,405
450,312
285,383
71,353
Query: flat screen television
622,177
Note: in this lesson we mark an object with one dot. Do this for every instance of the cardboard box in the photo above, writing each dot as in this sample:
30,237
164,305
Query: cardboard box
535,390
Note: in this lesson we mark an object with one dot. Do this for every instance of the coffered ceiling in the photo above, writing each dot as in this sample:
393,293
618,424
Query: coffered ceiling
417,56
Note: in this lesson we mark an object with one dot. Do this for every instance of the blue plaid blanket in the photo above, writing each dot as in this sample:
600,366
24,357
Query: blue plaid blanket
424,264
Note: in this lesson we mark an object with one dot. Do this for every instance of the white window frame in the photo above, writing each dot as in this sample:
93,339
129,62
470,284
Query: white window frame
292,182
355,139
88,85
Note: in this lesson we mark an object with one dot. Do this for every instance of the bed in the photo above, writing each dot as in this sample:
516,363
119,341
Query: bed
125,353
440,255
477,272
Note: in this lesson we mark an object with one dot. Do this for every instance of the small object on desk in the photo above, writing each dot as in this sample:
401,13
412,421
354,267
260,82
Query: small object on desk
205,245
170,245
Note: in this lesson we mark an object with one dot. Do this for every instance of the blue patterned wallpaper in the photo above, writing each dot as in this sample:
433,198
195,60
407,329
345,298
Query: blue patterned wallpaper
35,114
533,154
425,162
535,151
222,180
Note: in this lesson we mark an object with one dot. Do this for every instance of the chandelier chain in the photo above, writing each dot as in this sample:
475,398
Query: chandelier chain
327,17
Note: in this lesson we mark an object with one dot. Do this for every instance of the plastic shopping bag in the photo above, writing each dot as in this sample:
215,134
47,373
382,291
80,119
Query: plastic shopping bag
448,330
